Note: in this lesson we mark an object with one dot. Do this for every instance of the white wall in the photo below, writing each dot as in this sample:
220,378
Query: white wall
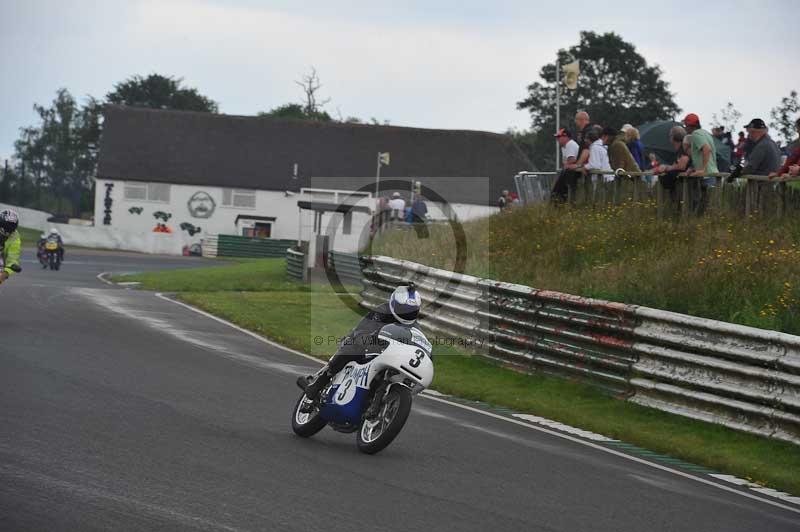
135,231
115,238
222,220
30,218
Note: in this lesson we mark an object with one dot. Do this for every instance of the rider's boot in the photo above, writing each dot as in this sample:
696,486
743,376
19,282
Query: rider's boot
312,385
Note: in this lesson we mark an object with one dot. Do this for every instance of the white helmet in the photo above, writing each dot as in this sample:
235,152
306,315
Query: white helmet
9,220
53,231
405,303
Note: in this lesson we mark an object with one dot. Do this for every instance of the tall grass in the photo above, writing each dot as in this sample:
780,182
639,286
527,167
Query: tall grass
722,266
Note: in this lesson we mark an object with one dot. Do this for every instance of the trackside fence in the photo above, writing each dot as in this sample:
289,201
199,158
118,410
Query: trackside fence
346,267
737,376
240,246
296,264
687,195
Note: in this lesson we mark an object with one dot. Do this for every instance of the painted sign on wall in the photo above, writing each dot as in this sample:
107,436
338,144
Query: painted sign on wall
201,205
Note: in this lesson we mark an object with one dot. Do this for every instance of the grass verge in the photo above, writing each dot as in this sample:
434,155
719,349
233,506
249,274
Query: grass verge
295,314
720,266
29,236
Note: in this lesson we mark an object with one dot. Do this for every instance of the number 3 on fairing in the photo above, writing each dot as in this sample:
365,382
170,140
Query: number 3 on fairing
415,362
347,390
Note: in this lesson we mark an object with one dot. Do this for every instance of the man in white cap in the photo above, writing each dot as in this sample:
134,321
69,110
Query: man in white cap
398,207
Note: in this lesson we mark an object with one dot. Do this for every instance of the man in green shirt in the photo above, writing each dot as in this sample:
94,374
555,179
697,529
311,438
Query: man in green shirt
10,244
703,150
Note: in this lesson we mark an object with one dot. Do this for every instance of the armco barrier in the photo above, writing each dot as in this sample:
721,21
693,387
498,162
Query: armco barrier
345,266
209,245
239,246
296,265
740,377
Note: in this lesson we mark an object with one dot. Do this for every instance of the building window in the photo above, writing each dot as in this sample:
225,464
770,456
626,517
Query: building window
135,191
234,197
147,192
259,230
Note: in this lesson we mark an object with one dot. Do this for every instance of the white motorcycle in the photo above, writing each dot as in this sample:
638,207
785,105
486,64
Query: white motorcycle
373,398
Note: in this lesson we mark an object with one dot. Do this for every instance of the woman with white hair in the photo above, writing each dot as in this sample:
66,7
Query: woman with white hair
635,145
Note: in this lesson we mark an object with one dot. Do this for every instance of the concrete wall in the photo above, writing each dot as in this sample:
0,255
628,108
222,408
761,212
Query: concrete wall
114,238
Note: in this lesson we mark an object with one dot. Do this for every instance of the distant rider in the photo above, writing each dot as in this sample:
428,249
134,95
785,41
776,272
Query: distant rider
10,243
55,236
402,308
41,254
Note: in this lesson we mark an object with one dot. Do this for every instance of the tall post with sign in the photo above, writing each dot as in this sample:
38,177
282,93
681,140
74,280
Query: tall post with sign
383,159
558,108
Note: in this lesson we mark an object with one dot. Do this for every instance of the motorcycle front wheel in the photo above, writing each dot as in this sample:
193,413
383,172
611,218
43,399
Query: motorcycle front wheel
378,432
303,424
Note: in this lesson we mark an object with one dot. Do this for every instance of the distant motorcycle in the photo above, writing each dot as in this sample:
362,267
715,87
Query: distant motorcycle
41,254
373,398
53,256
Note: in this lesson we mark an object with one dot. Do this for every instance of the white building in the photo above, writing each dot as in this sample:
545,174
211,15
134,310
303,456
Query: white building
197,174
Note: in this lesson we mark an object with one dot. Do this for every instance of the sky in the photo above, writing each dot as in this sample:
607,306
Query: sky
440,64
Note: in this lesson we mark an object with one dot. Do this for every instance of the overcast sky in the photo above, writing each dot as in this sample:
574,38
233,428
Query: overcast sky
445,64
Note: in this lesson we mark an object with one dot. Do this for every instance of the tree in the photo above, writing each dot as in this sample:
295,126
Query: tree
311,108
61,152
160,92
728,118
311,85
616,86
784,116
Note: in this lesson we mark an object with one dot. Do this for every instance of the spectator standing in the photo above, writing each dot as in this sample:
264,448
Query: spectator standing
419,210
738,150
598,156
419,217
504,200
397,205
703,152
568,178
618,154
582,128
669,173
635,146
791,161
383,210
654,164
765,156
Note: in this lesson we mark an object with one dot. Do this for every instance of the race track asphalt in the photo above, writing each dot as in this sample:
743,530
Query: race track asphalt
120,410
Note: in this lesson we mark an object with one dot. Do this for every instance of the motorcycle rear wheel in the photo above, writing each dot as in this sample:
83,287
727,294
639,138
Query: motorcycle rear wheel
306,425
377,433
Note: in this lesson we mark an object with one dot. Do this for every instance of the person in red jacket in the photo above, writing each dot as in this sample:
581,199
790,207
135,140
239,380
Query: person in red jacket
791,164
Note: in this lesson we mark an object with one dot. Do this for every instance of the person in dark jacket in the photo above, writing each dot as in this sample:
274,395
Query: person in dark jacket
764,156
402,309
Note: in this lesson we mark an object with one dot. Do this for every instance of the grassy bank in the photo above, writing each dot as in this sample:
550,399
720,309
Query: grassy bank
256,295
721,266
29,236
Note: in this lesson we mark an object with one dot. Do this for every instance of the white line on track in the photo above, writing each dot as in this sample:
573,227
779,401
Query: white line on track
505,418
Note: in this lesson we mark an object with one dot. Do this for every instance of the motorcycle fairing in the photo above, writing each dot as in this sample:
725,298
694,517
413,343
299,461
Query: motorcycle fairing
347,398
